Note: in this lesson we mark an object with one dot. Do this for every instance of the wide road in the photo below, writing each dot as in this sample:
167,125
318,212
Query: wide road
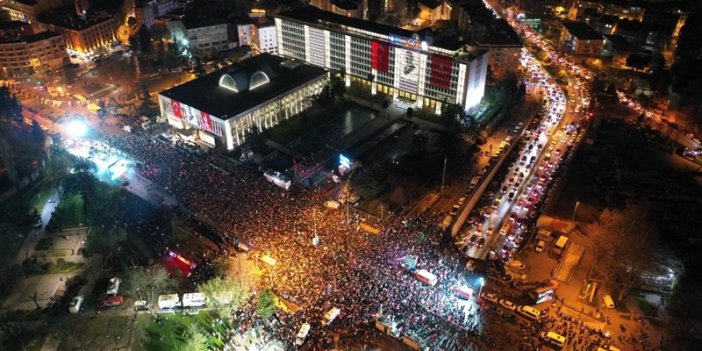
497,229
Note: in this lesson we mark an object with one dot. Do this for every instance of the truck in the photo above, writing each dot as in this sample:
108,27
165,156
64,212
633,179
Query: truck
168,301
194,300
560,246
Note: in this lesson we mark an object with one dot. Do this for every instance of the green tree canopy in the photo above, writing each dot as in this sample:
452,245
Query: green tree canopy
10,107
265,306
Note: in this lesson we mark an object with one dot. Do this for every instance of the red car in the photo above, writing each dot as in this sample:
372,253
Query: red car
112,301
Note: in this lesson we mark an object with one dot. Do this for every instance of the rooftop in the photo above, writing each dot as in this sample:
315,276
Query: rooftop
315,16
500,33
65,16
582,31
618,42
235,89
40,36
432,4
191,22
27,38
349,5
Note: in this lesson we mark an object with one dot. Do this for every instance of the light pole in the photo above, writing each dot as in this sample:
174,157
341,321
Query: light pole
346,194
443,178
481,283
577,203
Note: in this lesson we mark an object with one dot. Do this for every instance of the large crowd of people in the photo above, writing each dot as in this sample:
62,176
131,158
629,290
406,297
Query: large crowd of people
363,274
358,272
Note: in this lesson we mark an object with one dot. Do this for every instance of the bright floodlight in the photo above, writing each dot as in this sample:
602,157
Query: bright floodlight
481,281
77,128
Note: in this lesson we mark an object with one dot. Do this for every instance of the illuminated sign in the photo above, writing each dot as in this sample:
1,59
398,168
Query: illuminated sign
344,161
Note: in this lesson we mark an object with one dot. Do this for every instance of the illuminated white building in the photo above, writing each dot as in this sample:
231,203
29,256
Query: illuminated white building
403,64
223,107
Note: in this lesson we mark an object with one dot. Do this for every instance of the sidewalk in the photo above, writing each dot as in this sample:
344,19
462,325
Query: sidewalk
30,242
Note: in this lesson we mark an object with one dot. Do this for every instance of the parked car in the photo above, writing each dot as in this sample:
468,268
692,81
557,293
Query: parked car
112,301
76,303
507,304
489,297
113,286
540,246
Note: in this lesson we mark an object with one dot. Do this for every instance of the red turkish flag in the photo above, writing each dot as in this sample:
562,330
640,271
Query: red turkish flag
175,106
206,121
441,70
380,56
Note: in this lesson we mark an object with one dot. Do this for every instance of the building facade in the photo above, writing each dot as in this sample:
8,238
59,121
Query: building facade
148,10
88,28
208,37
578,38
258,32
386,59
88,39
34,54
28,10
223,107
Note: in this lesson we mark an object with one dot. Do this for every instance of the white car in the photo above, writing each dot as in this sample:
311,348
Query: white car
507,304
489,297
75,304
113,286
540,246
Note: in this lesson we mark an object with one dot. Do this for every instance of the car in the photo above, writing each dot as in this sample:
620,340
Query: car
112,301
481,242
508,305
76,303
490,297
454,210
462,200
113,286
473,239
540,246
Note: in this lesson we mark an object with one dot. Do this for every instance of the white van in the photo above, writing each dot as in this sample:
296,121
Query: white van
302,334
529,312
330,316
553,338
608,302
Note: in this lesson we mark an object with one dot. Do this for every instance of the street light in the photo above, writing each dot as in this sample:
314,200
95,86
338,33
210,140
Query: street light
577,203
481,283
77,128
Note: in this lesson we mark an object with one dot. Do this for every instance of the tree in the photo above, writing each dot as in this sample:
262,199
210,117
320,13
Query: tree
225,296
265,306
148,106
146,283
624,243
37,132
35,297
199,68
239,269
195,339
144,40
9,326
10,107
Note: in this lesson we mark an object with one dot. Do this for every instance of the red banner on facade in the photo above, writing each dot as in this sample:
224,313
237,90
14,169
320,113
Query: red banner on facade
175,106
380,56
206,122
441,69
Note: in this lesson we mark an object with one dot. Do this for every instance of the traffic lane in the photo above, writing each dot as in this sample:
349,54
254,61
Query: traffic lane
495,220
